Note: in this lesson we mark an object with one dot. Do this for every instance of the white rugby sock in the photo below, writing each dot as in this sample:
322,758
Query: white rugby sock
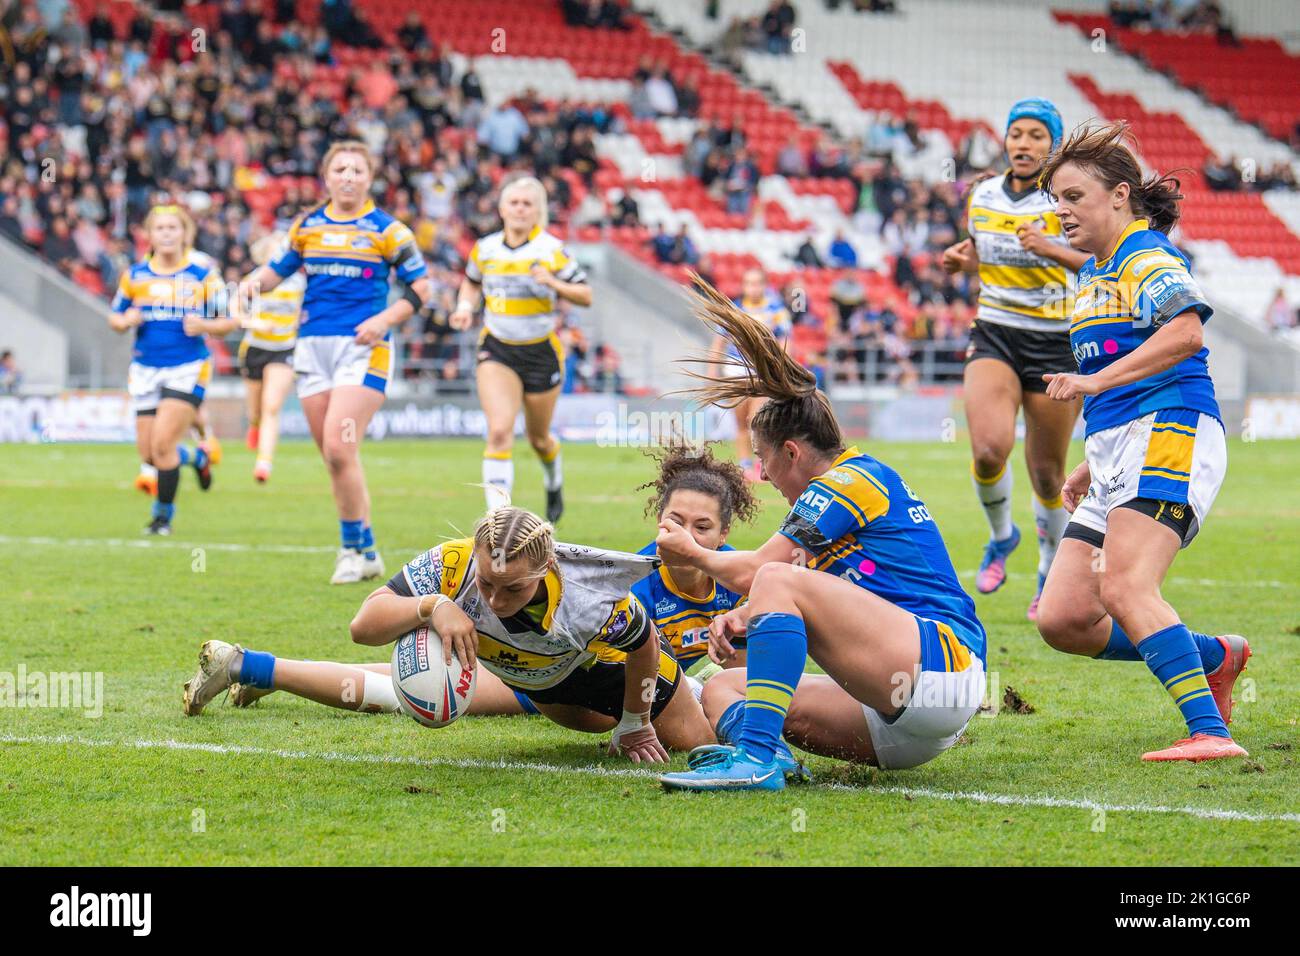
1051,518
377,694
553,470
995,496
498,480
148,470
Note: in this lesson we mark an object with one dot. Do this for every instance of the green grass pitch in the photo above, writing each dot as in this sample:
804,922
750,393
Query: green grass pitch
291,782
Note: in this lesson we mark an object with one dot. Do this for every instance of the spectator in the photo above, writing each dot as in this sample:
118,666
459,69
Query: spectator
502,130
791,161
661,94
741,182
411,34
842,253
1281,317
625,211
807,254
11,377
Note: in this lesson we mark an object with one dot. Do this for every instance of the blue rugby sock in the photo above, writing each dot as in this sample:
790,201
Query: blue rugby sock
164,511
730,723
185,454
257,669
1120,648
1172,655
778,646
350,534
368,542
526,703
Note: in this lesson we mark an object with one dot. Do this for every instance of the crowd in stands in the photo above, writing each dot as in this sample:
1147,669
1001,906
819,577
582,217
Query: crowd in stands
1235,175
95,127
1198,16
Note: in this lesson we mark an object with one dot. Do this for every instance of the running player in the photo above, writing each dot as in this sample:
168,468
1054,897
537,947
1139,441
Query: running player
1021,331
553,621
266,353
344,358
857,577
171,298
762,303
1154,453
521,272
705,496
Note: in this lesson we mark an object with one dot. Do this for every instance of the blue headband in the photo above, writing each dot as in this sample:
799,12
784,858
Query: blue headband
1037,108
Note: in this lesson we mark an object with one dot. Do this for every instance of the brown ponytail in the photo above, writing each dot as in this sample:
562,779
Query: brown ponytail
1101,150
796,410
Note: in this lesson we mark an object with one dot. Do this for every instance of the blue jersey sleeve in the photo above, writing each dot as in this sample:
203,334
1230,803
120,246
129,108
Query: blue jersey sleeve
288,258
1168,290
840,502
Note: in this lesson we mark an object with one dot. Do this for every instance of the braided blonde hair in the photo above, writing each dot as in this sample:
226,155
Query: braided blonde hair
509,532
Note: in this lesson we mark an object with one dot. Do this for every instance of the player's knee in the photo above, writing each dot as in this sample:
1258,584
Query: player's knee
1046,480
990,458
1059,624
338,454
540,445
500,439
772,580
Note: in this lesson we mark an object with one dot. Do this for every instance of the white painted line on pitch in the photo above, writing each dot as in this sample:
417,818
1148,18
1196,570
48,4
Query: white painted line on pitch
470,763
148,543
1198,582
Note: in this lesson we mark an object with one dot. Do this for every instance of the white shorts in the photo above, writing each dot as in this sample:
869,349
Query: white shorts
323,362
1175,456
149,385
942,704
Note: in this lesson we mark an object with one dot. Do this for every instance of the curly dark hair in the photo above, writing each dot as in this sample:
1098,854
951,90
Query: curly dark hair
687,467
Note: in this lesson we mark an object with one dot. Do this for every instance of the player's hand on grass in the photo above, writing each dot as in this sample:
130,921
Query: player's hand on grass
638,744
457,632
1075,488
959,257
372,330
1067,386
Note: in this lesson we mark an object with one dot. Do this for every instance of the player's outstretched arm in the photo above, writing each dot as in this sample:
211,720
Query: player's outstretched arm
1178,339
732,569
385,616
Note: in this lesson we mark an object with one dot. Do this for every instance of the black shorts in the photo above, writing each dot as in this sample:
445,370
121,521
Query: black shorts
1030,354
539,365
252,360
1175,515
599,687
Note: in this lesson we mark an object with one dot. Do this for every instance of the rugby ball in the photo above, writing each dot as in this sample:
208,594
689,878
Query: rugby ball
428,690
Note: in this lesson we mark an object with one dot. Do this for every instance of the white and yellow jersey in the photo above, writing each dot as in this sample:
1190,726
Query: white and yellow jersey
281,307
1018,288
516,309
590,612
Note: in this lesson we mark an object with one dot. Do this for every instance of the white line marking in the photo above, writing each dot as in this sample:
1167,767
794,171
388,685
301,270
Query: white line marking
469,763
147,543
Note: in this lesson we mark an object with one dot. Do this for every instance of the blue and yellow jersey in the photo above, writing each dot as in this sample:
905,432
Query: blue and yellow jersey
1122,301
860,521
164,299
683,619
771,311
347,263
1017,287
